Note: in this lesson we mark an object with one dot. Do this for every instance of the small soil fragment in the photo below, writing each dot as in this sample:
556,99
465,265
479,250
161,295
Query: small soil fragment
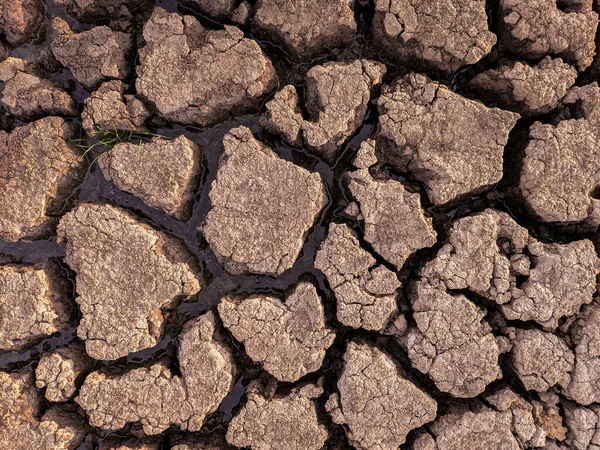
486,252
541,360
288,422
451,343
585,379
20,427
127,274
218,72
528,90
95,55
561,167
524,426
376,403
27,96
289,338
34,303
110,109
583,425
58,371
158,399
20,20
381,204
306,28
163,173
452,144
39,171
536,28
562,278
365,291
257,224
441,35
336,98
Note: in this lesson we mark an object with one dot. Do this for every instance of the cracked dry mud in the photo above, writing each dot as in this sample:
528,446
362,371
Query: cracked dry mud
299,225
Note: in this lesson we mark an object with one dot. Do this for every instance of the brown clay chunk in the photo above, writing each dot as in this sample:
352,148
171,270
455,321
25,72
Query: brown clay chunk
257,222
376,404
158,399
58,371
452,144
583,425
541,360
451,342
22,429
94,55
34,303
127,274
306,28
562,278
288,422
442,35
39,171
394,223
336,99
585,379
528,90
108,108
483,428
289,338
218,72
20,20
211,442
28,97
365,291
163,173
536,28
487,251
561,167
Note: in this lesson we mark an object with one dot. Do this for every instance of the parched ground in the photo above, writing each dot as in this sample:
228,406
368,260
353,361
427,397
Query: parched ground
299,225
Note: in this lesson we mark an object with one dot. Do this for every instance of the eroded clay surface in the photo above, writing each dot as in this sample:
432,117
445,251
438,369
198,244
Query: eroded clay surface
128,274
256,224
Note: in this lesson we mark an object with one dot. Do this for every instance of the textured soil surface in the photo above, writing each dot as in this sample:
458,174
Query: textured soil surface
299,225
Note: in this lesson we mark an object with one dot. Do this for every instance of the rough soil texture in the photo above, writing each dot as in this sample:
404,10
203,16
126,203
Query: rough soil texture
127,274
59,372
375,402
450,143
24,427
365,291
109,108
336,99
442,35
535,28
94,55
306,28
39,171
299,225
34,303
256,224
264,423
156,398
163,173
219,72
289,338
555,152
528,90
28,97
